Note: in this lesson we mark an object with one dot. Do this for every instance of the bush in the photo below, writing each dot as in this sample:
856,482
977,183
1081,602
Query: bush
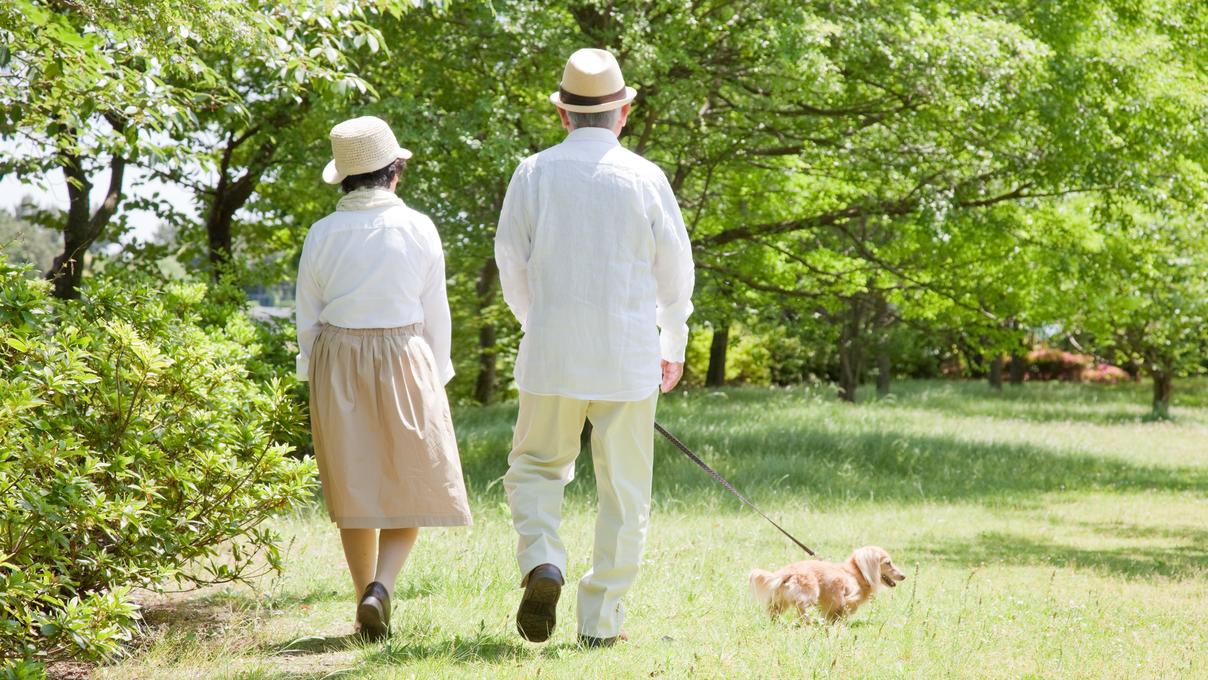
135,448
271,345
1104,373
1047,363
747,356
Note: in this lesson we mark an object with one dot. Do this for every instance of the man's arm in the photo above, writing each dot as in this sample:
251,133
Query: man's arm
513,246
675,277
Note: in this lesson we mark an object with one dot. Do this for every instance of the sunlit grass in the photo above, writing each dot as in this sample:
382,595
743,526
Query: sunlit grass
1047,531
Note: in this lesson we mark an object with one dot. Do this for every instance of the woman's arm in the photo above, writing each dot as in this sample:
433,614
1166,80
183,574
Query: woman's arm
308,299
438,323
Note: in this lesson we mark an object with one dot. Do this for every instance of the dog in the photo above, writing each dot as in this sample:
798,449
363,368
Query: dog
836,589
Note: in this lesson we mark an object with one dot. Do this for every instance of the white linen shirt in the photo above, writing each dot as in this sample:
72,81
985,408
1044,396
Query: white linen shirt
594,262
379,267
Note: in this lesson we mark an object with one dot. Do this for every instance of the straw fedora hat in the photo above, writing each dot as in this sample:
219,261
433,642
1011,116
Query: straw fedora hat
592,82
361,145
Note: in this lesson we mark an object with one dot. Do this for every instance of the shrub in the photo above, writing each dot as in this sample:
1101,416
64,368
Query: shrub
135,448
1047,363
747,356
1104,373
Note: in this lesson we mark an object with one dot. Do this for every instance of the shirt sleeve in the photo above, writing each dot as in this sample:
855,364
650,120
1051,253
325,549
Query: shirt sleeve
308,301
438,322
674,273
513,246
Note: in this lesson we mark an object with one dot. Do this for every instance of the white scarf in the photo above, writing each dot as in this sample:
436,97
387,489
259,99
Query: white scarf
366,199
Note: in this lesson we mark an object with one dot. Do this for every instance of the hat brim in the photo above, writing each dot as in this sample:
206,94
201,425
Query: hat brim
332,175
630,94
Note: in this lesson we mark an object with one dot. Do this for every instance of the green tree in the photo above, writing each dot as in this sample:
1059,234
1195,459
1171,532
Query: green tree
1144,298
95,87
872,163
87,84
284,110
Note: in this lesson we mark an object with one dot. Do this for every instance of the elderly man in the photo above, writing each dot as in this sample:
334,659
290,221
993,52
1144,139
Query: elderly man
596,265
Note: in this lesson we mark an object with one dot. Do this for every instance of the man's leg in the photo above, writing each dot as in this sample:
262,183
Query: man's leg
542,462
622,451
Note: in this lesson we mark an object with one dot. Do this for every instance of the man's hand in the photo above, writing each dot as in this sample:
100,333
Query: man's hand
672,372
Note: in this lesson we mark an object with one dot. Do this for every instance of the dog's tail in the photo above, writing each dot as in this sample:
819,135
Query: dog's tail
764,585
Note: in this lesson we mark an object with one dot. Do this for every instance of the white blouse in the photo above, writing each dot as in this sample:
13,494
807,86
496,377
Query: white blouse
374,263
595,263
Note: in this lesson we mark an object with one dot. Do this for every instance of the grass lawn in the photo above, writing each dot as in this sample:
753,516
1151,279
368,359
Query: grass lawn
1048,531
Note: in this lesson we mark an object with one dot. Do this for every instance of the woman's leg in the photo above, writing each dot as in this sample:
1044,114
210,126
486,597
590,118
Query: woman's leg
360,550
394,545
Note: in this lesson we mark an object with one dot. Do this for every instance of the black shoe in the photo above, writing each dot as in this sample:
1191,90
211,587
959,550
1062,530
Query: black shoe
537,615
373,613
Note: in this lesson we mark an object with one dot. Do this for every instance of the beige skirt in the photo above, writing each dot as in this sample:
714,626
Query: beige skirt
382,431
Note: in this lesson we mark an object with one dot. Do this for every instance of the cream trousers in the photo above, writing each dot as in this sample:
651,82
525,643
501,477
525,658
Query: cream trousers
542,462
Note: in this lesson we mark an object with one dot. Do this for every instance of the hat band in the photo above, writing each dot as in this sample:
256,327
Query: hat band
581,100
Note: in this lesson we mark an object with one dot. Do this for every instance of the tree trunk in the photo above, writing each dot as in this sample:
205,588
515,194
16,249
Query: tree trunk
884,366
996,366
849,371
484,384
231,194
1163,386
218,232
1017,368
884,360
716,375
82,228
851,352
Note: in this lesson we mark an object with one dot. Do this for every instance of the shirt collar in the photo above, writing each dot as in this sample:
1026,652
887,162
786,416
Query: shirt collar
367,199
592,134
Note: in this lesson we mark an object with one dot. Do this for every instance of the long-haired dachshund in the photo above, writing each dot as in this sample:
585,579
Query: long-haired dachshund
836,589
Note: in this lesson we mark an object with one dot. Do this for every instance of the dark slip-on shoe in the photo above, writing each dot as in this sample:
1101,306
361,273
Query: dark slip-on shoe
373,612
537,615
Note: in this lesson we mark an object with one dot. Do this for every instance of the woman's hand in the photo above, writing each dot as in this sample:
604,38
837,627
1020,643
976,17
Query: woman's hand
672,372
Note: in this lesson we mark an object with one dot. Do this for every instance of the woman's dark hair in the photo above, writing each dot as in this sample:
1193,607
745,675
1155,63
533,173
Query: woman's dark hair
378,178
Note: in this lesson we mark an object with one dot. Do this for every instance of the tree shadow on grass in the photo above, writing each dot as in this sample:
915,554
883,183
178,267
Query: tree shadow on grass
300,674
820,466
248,599
994,547
479,647
1034,402
418,586
193,617
405,647
956,405
1037,403
1125,530
313,644
783,458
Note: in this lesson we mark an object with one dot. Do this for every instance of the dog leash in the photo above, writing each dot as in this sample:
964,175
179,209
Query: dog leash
728,486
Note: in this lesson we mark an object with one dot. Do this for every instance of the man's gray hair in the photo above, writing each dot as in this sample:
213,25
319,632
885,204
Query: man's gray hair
601,119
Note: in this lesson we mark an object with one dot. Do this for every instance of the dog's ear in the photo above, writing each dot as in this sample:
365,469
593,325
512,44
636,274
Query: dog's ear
868,561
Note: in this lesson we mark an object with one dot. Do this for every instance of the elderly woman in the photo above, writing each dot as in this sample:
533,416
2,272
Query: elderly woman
374,338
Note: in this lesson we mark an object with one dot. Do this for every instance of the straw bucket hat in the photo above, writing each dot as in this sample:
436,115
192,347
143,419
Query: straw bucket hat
361,145
592,82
